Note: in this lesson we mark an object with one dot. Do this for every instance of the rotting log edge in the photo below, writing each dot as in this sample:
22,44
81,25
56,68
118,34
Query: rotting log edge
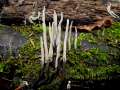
82,25
98,24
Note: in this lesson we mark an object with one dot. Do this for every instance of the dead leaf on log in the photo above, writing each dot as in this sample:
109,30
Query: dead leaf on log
99,23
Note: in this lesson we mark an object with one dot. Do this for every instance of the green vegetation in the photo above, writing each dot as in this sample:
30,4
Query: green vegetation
99,59
28,63
97,56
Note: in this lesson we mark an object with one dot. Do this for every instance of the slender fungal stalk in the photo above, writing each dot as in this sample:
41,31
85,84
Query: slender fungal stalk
58,41
65,41
60,22
51,43
45,36
58,48
55,27
42,51
53,34
75,42
69,36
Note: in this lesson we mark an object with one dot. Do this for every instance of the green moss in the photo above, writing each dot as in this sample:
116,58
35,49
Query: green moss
52,86
86,36
29,59
101,57
98,61
2,27
2,67
28,62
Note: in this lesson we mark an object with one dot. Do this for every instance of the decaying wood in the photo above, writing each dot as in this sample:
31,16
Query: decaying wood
99,23
74,9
